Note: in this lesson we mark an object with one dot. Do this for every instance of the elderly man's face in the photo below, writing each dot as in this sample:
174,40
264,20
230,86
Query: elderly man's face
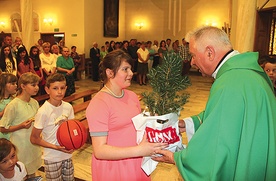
8,41
200,59
65,52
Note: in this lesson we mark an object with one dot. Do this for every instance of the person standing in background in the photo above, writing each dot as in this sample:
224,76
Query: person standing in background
95,58
103,53
65,66
142,68
48,60
151,53
38,69
156,54
186,57
168,45
132,51
55,50
77,61
270,69
8,63
162,51
24,62
39,45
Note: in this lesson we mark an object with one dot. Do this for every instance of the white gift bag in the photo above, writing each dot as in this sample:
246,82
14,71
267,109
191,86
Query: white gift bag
162,129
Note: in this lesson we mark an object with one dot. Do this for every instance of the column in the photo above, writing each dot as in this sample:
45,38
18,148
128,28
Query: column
245,25
26,7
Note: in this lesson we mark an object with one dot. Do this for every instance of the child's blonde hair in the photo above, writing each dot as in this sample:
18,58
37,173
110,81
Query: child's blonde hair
4,79
27,78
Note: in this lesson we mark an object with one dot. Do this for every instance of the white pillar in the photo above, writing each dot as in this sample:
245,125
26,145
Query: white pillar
26,7
245,26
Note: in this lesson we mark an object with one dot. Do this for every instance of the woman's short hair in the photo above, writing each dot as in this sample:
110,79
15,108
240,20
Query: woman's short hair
113,61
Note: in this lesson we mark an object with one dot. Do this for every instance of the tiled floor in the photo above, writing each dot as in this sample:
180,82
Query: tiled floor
199,91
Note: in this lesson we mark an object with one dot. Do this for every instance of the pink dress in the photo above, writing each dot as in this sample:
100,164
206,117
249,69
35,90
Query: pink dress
111,116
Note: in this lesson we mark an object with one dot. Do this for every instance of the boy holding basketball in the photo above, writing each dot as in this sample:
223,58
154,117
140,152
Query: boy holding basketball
57,160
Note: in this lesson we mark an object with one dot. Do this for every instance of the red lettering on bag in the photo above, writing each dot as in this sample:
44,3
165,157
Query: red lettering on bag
167,135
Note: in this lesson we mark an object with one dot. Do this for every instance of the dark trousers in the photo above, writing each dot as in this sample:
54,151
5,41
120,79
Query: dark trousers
186,67
155,61
95,70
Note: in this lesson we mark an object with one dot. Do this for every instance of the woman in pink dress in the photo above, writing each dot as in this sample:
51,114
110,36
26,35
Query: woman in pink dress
116,155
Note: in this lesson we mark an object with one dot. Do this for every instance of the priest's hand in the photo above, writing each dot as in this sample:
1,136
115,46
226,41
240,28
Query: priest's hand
166,156
182,126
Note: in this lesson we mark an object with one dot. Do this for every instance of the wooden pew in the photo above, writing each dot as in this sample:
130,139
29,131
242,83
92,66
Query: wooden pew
41,98
86,95
80,107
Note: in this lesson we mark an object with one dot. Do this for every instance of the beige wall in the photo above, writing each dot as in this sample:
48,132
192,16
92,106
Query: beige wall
93,26
267,3
162,18
172,19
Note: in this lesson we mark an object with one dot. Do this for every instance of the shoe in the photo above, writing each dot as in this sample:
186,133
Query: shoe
140,84
144,83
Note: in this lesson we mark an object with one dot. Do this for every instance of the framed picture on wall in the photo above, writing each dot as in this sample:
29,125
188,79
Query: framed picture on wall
111,18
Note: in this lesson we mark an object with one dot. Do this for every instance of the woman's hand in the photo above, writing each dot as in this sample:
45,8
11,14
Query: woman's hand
149,149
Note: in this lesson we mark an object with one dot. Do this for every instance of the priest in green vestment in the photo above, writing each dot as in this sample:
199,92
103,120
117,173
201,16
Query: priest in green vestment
235,136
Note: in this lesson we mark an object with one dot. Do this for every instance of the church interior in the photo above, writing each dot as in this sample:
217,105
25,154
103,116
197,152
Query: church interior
250,24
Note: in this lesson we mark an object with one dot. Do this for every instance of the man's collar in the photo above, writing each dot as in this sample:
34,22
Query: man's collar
227,56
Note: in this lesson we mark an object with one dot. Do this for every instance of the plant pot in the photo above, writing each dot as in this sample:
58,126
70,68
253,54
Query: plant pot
162,129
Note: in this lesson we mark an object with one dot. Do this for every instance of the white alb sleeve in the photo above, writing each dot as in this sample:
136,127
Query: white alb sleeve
190,129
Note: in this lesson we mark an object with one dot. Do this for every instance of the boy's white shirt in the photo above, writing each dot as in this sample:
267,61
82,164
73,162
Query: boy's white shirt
48,118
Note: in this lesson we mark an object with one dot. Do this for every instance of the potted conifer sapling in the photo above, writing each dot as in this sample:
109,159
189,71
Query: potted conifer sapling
163,105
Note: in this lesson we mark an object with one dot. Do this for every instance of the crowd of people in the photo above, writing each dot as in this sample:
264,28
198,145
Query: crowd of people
145,55
24,74
232,139
43,59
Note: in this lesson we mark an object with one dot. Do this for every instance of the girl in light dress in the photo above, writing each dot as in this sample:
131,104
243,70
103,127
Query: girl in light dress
18,120
8,87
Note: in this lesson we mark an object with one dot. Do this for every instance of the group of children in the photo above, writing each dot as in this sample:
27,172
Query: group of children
23,122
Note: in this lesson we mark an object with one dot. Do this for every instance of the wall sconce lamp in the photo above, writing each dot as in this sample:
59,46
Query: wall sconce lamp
139,25
227,28
2,24
48,21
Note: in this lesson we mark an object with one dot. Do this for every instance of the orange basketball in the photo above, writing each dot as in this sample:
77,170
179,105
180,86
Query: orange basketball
71,134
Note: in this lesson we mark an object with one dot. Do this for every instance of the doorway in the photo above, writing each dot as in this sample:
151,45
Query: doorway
265,40
52,38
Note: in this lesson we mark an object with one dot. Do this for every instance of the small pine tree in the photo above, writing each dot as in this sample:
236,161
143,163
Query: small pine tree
166,82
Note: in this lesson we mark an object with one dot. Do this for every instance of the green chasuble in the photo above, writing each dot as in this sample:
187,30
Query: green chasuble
236,134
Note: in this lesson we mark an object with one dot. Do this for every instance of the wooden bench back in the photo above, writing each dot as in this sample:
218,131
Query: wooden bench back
86,95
